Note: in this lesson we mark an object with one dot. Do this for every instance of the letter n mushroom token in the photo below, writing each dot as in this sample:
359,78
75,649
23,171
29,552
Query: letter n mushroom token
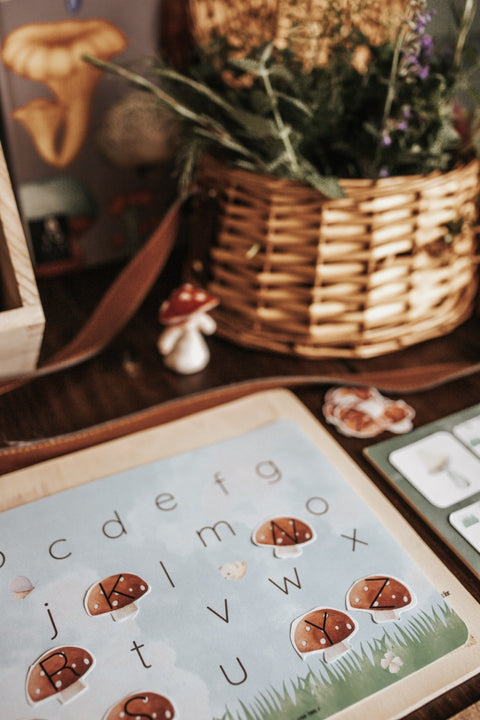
117,595
286,535
59,673
142,705
324,630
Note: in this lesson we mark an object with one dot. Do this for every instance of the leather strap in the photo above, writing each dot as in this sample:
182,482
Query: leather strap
118,305
22,454
116,308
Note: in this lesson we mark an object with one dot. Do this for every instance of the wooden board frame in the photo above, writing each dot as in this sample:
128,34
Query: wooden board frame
240,417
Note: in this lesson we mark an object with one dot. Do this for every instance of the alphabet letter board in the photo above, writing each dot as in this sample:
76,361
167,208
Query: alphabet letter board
232,565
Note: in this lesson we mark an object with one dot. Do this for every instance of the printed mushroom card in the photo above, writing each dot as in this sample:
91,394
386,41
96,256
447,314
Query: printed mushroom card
90,158
229,566
437,469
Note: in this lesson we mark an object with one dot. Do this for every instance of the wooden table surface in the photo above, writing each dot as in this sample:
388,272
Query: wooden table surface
129,376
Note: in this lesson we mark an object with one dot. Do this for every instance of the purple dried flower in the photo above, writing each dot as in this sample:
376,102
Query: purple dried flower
418,44
386,139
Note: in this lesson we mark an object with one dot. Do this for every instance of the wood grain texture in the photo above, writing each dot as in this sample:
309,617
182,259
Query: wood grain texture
21,318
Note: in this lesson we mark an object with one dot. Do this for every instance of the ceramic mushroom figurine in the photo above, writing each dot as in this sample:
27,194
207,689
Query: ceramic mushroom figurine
324,630
287,536
59,673
142,705
117,595
184,314
382,596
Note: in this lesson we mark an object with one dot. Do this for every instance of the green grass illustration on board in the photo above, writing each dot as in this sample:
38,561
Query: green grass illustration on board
398,652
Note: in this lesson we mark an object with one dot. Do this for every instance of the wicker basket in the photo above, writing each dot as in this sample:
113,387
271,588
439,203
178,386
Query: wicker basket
390,265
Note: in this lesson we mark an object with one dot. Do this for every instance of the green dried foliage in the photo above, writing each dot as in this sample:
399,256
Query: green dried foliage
396,112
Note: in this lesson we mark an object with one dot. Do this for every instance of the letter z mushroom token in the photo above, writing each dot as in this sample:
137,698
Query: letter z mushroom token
382,596
59,673
117,595
324,630
142,705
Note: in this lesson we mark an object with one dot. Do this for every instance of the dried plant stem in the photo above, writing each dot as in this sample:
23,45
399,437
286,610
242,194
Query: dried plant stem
468,16
209,127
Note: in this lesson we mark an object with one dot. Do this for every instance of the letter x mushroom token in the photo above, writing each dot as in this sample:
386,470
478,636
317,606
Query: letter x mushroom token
382,596
324,630
142,705
60,673
287,536
116,594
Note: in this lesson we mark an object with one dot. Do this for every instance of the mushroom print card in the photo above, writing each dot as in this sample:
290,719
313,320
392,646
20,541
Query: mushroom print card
230,566
88,157
437,469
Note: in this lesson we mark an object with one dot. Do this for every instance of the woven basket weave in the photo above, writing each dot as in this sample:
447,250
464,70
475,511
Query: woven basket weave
390,265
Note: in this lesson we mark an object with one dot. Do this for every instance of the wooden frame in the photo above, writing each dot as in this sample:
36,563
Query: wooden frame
21,318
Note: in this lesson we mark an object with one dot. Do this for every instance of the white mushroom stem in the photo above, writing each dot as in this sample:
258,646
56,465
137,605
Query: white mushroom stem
287,551
125,612
380,616
335,651
183,346
64,696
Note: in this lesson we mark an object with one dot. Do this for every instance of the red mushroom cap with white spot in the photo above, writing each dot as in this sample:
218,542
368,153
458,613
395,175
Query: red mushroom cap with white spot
285,534
383,596
184,302
324,630
116,594
142,705
60,673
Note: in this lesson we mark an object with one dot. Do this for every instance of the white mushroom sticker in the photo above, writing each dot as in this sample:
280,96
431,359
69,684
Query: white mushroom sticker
20,586
233,570
323,630
59,673
382,596
142,705
117,595
286,535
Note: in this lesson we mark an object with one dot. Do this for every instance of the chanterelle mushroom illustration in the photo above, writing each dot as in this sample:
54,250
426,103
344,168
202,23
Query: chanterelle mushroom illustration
287,536
185,315
142,705
324,630
117,595
52,53
59,673
382,596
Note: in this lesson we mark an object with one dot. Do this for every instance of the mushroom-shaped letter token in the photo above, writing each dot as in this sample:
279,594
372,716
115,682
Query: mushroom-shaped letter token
287,536
142,705
382,596
185,315
116,594
323,630
59,673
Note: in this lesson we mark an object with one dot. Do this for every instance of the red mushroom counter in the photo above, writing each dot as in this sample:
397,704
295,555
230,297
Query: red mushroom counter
59,673
142,705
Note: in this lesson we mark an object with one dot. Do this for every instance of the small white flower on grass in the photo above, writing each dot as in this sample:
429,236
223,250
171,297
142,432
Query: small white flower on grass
391,662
